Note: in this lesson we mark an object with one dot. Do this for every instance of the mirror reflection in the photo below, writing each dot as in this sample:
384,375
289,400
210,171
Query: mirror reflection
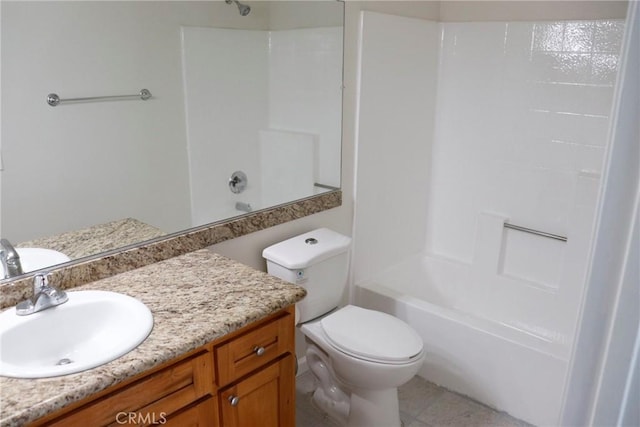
245,114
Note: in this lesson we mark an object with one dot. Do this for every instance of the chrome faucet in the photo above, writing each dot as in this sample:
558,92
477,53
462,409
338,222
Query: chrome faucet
44,296
10,259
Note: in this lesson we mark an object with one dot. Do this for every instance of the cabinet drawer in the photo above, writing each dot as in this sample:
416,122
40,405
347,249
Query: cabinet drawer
255,348
151,397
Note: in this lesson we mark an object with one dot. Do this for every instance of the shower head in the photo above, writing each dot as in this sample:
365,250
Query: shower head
242,8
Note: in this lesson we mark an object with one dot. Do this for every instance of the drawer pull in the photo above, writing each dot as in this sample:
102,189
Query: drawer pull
234,400
259,351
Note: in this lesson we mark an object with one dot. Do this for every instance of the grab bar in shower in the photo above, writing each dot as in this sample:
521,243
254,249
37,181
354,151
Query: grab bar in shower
536,232
53,99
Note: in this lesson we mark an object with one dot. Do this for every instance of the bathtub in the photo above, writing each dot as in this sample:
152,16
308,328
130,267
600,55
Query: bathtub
516,365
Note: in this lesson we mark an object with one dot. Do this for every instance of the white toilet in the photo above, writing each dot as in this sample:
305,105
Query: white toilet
359,356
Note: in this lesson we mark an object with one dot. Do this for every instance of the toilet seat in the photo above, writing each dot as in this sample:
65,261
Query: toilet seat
371,335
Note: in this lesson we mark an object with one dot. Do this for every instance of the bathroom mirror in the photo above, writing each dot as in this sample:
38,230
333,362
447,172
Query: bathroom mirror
244,114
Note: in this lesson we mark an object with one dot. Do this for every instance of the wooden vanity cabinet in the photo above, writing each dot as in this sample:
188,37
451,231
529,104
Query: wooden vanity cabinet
246,378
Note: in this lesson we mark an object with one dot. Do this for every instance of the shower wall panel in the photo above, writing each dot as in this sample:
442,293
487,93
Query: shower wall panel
305,78
285,82
516,133
226,91
396,90
523,111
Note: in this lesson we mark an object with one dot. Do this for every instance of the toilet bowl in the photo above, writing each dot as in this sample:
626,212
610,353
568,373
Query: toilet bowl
360,357
368,354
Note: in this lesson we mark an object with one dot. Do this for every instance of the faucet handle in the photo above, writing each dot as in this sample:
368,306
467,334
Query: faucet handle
50,294
40,281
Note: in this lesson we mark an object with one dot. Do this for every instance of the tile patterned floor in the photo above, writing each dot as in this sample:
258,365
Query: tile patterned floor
422,404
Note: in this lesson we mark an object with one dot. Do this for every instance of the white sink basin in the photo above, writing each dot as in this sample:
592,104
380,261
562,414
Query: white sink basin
36,258
89,330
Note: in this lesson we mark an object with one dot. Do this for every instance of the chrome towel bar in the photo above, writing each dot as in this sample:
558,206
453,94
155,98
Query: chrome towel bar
536,232
53,99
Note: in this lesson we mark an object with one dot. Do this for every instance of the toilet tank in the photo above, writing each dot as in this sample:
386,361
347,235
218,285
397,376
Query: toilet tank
319,262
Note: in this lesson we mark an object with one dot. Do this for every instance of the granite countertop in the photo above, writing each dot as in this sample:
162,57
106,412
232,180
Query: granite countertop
98,238
195,298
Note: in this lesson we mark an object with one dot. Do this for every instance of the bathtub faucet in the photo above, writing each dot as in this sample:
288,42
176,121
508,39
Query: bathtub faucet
10,259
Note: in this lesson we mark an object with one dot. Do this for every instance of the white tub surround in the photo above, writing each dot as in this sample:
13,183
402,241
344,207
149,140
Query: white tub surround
277,91
463,128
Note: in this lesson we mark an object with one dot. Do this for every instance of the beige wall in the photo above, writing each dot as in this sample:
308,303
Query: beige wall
284,15
530,10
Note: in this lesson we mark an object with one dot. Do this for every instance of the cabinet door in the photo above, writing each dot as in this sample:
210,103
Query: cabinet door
203,414
264,399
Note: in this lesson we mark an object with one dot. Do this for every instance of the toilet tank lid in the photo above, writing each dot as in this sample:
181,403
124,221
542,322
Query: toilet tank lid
307,249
